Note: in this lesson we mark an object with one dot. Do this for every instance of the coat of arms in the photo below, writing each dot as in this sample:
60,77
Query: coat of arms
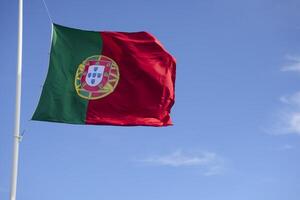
96,77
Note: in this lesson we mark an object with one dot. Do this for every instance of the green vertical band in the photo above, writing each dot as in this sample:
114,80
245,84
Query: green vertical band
59,100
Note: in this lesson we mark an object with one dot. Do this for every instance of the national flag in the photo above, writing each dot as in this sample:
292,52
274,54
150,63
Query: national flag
113,78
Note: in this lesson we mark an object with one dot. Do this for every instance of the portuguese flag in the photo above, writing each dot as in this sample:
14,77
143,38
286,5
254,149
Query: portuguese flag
111,78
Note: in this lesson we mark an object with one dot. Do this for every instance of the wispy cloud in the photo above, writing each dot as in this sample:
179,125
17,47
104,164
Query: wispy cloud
294,123
209,163
288,120
293,63
293,100
287,147
285,122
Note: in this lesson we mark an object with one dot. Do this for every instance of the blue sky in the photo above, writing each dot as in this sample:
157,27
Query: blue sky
237,112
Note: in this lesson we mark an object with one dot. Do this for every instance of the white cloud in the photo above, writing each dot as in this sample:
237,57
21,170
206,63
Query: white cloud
288,120
293,64
209,163
294,123
287,147
293,100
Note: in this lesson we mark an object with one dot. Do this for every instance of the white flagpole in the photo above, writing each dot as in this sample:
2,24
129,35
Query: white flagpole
16,135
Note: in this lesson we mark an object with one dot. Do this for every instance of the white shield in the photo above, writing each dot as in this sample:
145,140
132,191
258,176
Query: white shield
94,75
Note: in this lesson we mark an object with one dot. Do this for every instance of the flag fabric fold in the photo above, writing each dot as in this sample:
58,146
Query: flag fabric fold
108,78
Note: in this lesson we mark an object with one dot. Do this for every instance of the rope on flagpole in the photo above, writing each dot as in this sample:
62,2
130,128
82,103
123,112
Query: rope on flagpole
47,10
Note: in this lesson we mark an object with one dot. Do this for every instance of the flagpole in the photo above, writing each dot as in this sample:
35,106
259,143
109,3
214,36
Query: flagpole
16,135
